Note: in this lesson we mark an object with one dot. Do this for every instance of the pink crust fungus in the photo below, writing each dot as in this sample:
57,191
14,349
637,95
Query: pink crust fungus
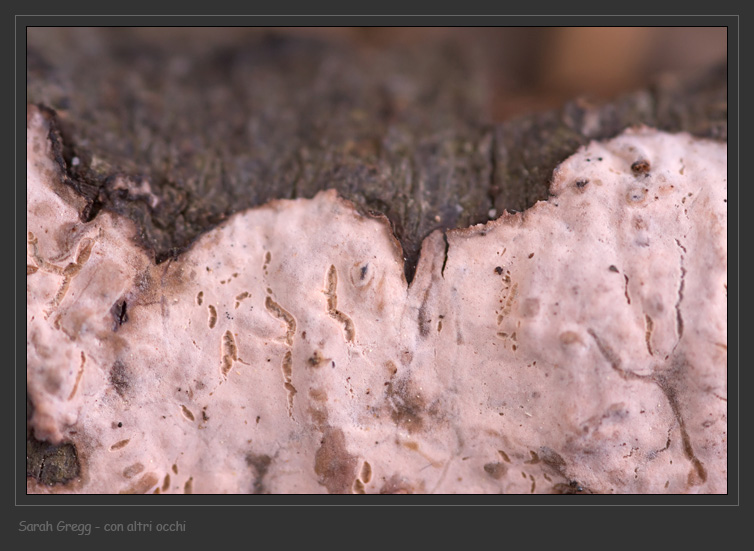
579,346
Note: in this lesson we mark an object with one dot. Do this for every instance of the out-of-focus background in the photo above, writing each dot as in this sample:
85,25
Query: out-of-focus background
537,68
527,68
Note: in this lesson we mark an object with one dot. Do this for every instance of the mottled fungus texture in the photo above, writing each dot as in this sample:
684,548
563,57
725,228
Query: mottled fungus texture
577,347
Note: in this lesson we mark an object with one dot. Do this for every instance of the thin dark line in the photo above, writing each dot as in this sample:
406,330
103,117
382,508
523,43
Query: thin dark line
401,505
738,255
15,258
380,15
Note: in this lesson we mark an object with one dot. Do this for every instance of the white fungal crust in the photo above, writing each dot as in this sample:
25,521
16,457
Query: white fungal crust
578,346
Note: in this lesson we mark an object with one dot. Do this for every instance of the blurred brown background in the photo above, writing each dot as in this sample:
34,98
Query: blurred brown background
527,68
536,68
533,68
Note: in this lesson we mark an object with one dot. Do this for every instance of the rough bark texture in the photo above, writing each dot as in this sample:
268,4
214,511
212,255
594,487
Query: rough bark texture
199,130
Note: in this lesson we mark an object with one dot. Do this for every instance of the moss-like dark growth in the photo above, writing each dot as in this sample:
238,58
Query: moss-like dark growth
50,464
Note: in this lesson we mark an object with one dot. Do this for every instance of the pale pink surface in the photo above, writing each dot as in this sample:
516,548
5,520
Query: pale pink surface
285,353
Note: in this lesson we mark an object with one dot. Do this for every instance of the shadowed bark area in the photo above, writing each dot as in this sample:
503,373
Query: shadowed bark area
529,148
219,129
214,126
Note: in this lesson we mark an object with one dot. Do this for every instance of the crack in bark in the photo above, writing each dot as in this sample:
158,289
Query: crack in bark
492,188
445,259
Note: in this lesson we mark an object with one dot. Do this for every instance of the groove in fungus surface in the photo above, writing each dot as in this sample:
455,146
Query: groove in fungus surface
332,305
279,312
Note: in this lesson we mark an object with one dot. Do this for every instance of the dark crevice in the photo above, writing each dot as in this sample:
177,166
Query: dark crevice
667,388
614,360
261,465
445,258
649,324
77,177
423,319
679,317
119,312
574,487
688,450
492,187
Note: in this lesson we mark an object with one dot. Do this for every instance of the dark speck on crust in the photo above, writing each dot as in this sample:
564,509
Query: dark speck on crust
640,167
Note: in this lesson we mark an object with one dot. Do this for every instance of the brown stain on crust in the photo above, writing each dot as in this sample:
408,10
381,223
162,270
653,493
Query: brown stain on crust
406,405
317,359
260,464
212,320
120,444
333,464
143,485
423,319
551,458
119,378
230,353
397,484
317,409
496,470
187,413
133,470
